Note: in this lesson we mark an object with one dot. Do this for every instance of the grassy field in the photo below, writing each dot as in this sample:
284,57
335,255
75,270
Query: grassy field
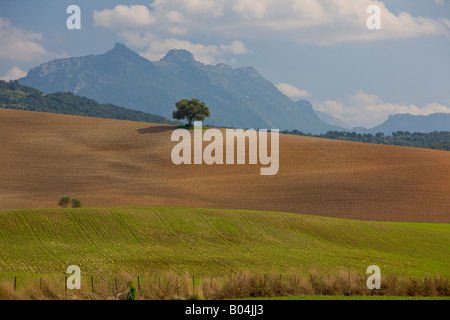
211,242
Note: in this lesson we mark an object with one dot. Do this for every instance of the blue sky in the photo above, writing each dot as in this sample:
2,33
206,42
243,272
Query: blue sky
320,50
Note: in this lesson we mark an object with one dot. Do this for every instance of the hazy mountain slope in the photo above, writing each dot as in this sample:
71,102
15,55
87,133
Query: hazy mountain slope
328,118
412,123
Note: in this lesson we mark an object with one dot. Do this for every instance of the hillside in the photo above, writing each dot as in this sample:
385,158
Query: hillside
119,163
433,140
237,97
19,97
209,242
412,123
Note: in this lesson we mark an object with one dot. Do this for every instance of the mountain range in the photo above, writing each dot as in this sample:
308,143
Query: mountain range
411,123
237,97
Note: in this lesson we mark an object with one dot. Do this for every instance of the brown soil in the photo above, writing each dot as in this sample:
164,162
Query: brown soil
122,163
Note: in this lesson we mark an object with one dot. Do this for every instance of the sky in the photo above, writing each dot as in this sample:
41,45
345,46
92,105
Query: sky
319,50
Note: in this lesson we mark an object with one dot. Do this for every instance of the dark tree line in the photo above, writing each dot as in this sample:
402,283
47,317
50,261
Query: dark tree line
15,96
433,140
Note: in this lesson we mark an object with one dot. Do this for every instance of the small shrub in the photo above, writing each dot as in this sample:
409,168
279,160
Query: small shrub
64,201
131,295
76,203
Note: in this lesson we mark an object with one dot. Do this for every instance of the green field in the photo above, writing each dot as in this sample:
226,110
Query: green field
213,242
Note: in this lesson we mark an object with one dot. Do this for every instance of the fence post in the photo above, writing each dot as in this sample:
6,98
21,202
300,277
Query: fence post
15,283
139,284
92,284
348,280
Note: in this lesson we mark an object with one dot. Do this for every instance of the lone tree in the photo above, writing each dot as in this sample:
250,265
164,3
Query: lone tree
191,110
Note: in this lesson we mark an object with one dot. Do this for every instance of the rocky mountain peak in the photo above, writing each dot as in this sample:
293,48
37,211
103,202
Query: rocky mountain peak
122,50
176,55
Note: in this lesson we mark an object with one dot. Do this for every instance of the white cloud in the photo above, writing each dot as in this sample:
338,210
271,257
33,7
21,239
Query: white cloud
13,74
235,47
208,54
156,48
177,30
250,9
291,91
175,16
204,53
124,16
18,44
330,22
368,110
211,8
439,2
136,38
320,22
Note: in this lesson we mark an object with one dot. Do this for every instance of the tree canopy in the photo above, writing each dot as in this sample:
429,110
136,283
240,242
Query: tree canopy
191,110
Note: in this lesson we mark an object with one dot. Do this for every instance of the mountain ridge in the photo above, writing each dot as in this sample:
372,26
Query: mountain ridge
237,97
412,123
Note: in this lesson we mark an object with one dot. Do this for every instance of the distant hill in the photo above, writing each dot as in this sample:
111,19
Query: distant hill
432,140
16,96
237,97
411,123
